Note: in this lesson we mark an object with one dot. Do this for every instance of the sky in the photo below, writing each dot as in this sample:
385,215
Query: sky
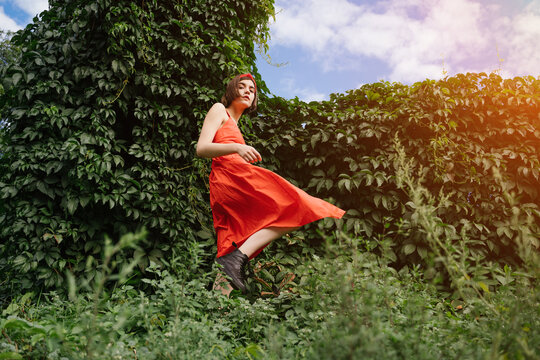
319,47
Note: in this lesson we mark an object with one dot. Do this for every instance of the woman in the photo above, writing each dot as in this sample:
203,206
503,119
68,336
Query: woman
251,206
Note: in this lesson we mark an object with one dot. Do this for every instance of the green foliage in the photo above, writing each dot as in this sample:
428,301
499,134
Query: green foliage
354,306
439,180
103,110
457,135
9,53
343,304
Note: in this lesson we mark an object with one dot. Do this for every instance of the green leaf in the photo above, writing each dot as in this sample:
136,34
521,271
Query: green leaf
409,249
483,286
10,356
20,260
15,323
347,184
314,139
16,78
204,234
58,238
72,205
411,204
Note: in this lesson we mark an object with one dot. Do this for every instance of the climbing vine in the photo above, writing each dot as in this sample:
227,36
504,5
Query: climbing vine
473,137
104,108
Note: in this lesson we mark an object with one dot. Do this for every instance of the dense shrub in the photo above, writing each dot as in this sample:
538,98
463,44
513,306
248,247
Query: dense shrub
343,304
102,112
471,139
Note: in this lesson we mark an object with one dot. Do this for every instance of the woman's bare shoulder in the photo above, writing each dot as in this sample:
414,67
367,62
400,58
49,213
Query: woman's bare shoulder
217,114
217,111
218,107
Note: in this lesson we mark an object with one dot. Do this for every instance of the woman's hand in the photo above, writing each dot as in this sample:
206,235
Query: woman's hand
248,153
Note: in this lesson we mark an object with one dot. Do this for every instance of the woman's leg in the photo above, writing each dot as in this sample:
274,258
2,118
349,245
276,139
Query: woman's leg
262,238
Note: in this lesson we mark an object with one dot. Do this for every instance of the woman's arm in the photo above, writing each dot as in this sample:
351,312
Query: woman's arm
213,120
206,148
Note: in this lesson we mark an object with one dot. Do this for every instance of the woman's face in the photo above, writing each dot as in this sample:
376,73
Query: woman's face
246,90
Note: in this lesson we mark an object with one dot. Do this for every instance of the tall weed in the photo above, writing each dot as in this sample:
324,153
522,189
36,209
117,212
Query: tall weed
343,303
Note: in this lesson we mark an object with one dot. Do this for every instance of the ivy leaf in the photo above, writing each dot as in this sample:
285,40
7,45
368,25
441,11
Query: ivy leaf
72,205
16,78
409,249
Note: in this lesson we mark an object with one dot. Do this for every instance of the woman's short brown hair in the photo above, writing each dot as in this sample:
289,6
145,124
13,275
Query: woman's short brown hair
232,93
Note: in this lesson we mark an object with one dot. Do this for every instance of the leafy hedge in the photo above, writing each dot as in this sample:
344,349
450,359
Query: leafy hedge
107,102
103,110
472,141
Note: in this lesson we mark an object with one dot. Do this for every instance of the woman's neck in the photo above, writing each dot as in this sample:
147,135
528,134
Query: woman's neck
235,113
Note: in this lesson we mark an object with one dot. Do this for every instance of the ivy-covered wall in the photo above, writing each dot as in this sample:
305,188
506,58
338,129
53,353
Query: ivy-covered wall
474,138
103,109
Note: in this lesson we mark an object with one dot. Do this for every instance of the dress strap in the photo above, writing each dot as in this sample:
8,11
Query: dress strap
230,118
226,121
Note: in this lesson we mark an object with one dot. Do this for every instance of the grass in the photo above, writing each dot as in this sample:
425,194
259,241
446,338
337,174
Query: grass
343,304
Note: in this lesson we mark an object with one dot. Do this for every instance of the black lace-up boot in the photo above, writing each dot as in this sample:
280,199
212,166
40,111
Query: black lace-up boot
234,265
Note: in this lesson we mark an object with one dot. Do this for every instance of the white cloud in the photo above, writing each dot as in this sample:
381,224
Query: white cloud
312,23
306,94
7,22
522,53
32,7
413,37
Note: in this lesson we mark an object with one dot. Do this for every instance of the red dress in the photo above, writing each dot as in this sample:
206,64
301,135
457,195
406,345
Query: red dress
246,198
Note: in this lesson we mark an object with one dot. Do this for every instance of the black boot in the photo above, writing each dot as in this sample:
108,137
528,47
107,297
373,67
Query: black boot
234,265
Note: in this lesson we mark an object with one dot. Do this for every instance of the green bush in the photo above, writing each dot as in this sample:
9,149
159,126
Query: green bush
342,304
104,108
471,139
